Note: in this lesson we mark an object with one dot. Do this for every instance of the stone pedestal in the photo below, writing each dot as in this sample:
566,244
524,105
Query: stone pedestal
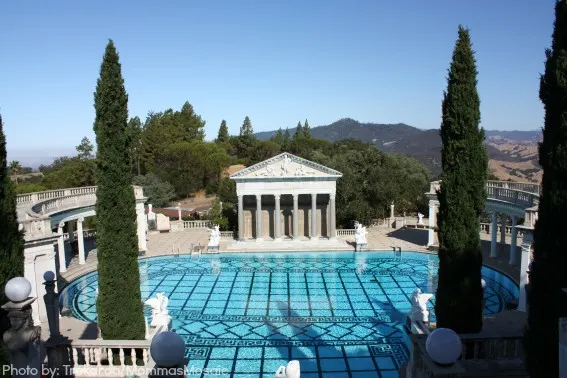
39,257
524,265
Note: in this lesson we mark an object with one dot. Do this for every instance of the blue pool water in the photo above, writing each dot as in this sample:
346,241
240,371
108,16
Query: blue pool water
339,314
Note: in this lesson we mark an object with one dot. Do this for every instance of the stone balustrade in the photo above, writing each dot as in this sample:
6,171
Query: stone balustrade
87,235
31,198
509,185
197,224
485,227
110,358
227,234
482,355
345,231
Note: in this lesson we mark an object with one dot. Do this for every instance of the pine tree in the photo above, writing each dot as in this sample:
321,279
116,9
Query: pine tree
11,239
246,130
223,132
119,303
298,131
548,272
306,130
462,196
286,140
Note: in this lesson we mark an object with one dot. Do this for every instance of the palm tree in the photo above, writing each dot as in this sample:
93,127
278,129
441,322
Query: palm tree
15,169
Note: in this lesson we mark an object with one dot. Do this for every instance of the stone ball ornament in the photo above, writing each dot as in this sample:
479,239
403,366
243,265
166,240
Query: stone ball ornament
167,349
443,346
49,276
18,289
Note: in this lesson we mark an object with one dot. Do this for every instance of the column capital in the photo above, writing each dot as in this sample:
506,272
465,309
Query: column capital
332,196
277,196
61,225
313,195
80,220
295,195
258,197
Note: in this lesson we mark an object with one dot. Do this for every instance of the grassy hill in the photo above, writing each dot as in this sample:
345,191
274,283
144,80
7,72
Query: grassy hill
513,154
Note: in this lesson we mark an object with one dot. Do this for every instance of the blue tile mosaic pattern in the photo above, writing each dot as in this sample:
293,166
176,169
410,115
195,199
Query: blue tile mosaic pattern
339,314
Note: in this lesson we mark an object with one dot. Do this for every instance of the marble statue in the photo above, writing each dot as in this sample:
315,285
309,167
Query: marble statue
360,234
419,218
160,313
299,171
292,370
419,310
22,341
285,165
214,238
270,171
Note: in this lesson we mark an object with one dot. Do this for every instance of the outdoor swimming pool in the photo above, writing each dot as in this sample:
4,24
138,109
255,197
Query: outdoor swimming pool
339,314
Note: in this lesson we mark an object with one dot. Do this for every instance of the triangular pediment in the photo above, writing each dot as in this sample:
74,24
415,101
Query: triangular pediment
286,165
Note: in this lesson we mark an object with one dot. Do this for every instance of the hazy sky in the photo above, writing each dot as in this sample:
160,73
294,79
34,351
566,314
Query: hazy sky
278,62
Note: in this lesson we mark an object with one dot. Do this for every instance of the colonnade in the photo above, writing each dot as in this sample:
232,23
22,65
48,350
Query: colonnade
494,230
61,242
277,213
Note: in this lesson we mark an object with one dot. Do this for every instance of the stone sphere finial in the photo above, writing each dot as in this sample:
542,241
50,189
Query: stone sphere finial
49,276
167,349
443,346
18,289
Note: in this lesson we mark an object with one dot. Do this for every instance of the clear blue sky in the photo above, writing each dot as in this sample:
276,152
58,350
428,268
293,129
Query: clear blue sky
278,62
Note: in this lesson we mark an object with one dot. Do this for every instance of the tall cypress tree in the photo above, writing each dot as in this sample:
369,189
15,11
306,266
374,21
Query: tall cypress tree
548,273
223,132
119,304
461,197
11,239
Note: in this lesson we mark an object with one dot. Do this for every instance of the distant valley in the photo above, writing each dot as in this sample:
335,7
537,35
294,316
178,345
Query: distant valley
513,154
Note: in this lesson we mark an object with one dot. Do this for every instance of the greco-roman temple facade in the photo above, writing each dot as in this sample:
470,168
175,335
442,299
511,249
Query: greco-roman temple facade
286,198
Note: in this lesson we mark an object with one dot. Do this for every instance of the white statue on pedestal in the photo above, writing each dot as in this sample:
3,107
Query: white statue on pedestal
214,238
270,171
160,313
360,234
419,218
419,310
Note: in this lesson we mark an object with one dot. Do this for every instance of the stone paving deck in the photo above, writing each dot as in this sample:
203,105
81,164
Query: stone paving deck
161,244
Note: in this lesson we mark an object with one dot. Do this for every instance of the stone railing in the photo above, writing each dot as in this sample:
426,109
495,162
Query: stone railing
197,224
227,234
31,198
486,356
521,186
110,358
87,234
64,203
345,231
485,227
508,185
517,197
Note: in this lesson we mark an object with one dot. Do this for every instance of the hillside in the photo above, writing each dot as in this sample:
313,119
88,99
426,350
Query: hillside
513,154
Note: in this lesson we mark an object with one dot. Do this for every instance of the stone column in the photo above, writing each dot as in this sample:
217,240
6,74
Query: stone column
259,217
179,211
61,248
295,216
71,231
431,225
81,241
142,223
513,242
494,230
277,217
503,229
333,220
524,267
240,217
313,216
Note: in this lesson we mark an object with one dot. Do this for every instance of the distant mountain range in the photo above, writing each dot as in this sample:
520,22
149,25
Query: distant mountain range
513,154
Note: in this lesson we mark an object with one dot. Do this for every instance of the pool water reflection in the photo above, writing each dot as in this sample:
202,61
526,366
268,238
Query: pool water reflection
339,314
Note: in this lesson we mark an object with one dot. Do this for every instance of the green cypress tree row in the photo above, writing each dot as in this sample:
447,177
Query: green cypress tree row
11,239
462,196
548,274
119,304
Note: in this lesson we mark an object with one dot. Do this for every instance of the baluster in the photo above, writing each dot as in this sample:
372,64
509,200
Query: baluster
145,356
110,356
75,356
97,356
86,352
133,356
121,353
